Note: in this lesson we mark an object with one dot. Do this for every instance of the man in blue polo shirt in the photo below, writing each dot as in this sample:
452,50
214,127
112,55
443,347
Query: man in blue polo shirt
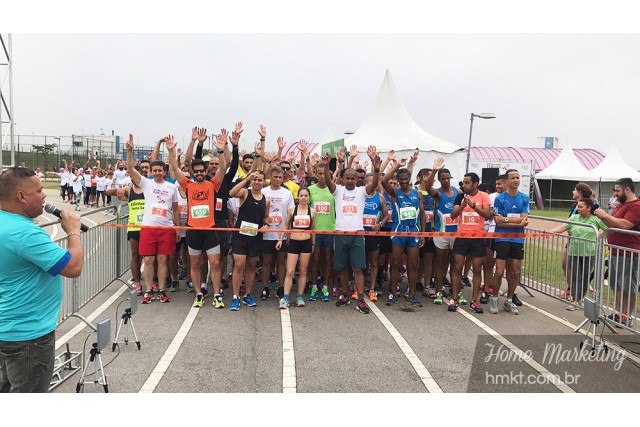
30,283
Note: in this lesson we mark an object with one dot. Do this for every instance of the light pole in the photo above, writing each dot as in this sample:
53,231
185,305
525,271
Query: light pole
480,116
58,146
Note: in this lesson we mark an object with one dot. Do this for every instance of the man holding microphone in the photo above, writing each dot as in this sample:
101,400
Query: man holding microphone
31,283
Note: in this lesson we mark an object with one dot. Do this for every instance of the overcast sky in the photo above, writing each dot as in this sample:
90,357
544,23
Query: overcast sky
583,89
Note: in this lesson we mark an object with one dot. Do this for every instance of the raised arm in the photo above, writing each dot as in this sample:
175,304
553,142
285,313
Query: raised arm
189,154
174,167
133,173
281,145
412,162
237,190
327,173
437,165
372,152
220,142
353,153
388,188
235,157
155,154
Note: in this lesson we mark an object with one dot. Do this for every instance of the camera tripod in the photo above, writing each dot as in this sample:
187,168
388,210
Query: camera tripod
126,320
99,369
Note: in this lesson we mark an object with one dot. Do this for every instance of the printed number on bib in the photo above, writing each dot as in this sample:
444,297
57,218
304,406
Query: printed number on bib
449,221
249,226
323,208
470,218
408,213
218,204
349,209
139,217
301,221
159,210
274,219
428,215
369,220
199,211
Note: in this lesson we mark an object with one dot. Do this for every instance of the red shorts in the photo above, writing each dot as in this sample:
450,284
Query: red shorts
156,241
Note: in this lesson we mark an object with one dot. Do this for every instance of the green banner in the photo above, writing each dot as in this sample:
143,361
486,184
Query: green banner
332,147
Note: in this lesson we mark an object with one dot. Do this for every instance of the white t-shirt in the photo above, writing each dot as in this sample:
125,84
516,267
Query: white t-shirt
184,210
100,183
280,201
64,178
87,180
108,183
118,176
490,224
126,182
76,182
349,207
233,204
158,202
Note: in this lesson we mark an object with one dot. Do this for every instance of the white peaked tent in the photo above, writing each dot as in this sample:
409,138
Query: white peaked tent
566,167
390,127
614,167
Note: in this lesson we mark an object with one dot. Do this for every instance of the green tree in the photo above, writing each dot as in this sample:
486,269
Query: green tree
45,150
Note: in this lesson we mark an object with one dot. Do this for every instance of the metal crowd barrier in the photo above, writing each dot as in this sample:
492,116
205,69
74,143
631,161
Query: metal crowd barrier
582,277
548,270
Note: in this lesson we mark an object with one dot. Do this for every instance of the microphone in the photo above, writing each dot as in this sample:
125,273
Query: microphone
56,212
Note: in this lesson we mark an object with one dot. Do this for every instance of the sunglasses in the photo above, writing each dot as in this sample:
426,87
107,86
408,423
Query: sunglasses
198,171
286,169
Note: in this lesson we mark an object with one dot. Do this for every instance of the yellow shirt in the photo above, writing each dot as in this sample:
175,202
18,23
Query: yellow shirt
293,187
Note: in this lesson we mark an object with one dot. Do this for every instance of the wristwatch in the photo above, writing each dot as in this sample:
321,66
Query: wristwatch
506,219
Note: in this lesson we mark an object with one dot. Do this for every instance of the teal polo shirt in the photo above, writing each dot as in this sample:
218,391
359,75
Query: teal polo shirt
30,281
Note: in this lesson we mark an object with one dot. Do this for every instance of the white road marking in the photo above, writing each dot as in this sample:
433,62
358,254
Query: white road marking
428,381
163,364
551,378
81,326
289,384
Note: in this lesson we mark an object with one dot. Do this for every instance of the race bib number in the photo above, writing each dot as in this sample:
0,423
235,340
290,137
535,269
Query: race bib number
200,211
470,218
349,209
428,215
274,219
408,213
93,182
139,217
369,220
449,221
322,208
218,204
301,221
159,210
245,225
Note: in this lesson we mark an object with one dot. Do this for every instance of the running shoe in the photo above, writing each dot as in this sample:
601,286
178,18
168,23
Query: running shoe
139,289
419,286
392,299
354,295
190,287
300,301
571,307
182,275
344,300
466,282
516,300
265,293
614,316
484,297
510,307
406,293
199,301
564,294
235,304
429,292
627,321
335,292
148,297
307,287
174,286
361,306
154,289
284,303
205,292
313,296
414,301
249,301
453,305
325,295
494,306
475,307
438,298
446,281
461,298
163,296
280,292
218,302
373,297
